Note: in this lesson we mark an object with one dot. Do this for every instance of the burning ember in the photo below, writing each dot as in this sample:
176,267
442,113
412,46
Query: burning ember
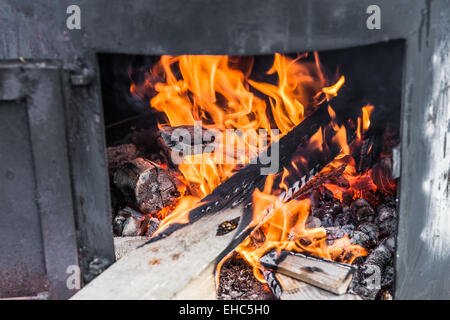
293,212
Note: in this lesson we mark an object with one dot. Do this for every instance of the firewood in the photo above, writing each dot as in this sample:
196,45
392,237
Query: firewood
322,177
145,185
125,245
293,289
331,276
117,156
178,255
182,138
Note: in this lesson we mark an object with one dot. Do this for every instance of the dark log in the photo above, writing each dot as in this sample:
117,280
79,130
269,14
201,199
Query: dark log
119,155
331,276
369,278
146,185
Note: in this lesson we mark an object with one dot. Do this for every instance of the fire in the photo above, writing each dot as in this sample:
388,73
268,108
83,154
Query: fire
218,92
283,224
214,91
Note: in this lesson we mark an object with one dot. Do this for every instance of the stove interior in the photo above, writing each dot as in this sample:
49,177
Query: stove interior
336,199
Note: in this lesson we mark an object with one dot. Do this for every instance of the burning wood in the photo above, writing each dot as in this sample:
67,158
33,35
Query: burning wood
329,214
185,138
146,185
328,275
193,246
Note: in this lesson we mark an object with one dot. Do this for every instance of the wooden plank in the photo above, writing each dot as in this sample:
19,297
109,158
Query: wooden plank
163,268
124,245
203,287
328,275
293,289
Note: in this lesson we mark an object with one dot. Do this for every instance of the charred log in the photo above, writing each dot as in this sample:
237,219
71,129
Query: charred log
146,185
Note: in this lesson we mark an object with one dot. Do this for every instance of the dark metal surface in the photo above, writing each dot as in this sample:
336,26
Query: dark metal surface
37,29
37,233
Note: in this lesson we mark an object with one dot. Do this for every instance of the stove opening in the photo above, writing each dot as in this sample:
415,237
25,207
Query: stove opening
178,127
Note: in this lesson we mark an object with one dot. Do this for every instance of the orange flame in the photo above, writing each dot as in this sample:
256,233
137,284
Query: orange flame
211,89
284,227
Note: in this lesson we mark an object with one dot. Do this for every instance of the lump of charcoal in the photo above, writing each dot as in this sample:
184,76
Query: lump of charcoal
131,227
334,233
153,225
390,244
365,291
362,211
238,282
343,218
370,229
385,212
327,220
317,212
379,257
361,239
370,274
388,227
135,223
333,207
312,222
387,278
118,222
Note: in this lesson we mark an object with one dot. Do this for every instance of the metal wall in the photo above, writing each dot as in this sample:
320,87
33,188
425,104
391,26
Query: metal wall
38,30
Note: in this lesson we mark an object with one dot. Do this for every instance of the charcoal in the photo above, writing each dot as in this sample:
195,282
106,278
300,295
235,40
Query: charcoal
317,212
342,219
131,227
387,278
312,222
385,213
390,244
388,227
362,211
370,229
333,207
379,257
334,232
327,220
360,238
358,204
118,222
153,225
237,281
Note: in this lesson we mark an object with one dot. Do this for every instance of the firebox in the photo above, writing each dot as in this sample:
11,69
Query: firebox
331,135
